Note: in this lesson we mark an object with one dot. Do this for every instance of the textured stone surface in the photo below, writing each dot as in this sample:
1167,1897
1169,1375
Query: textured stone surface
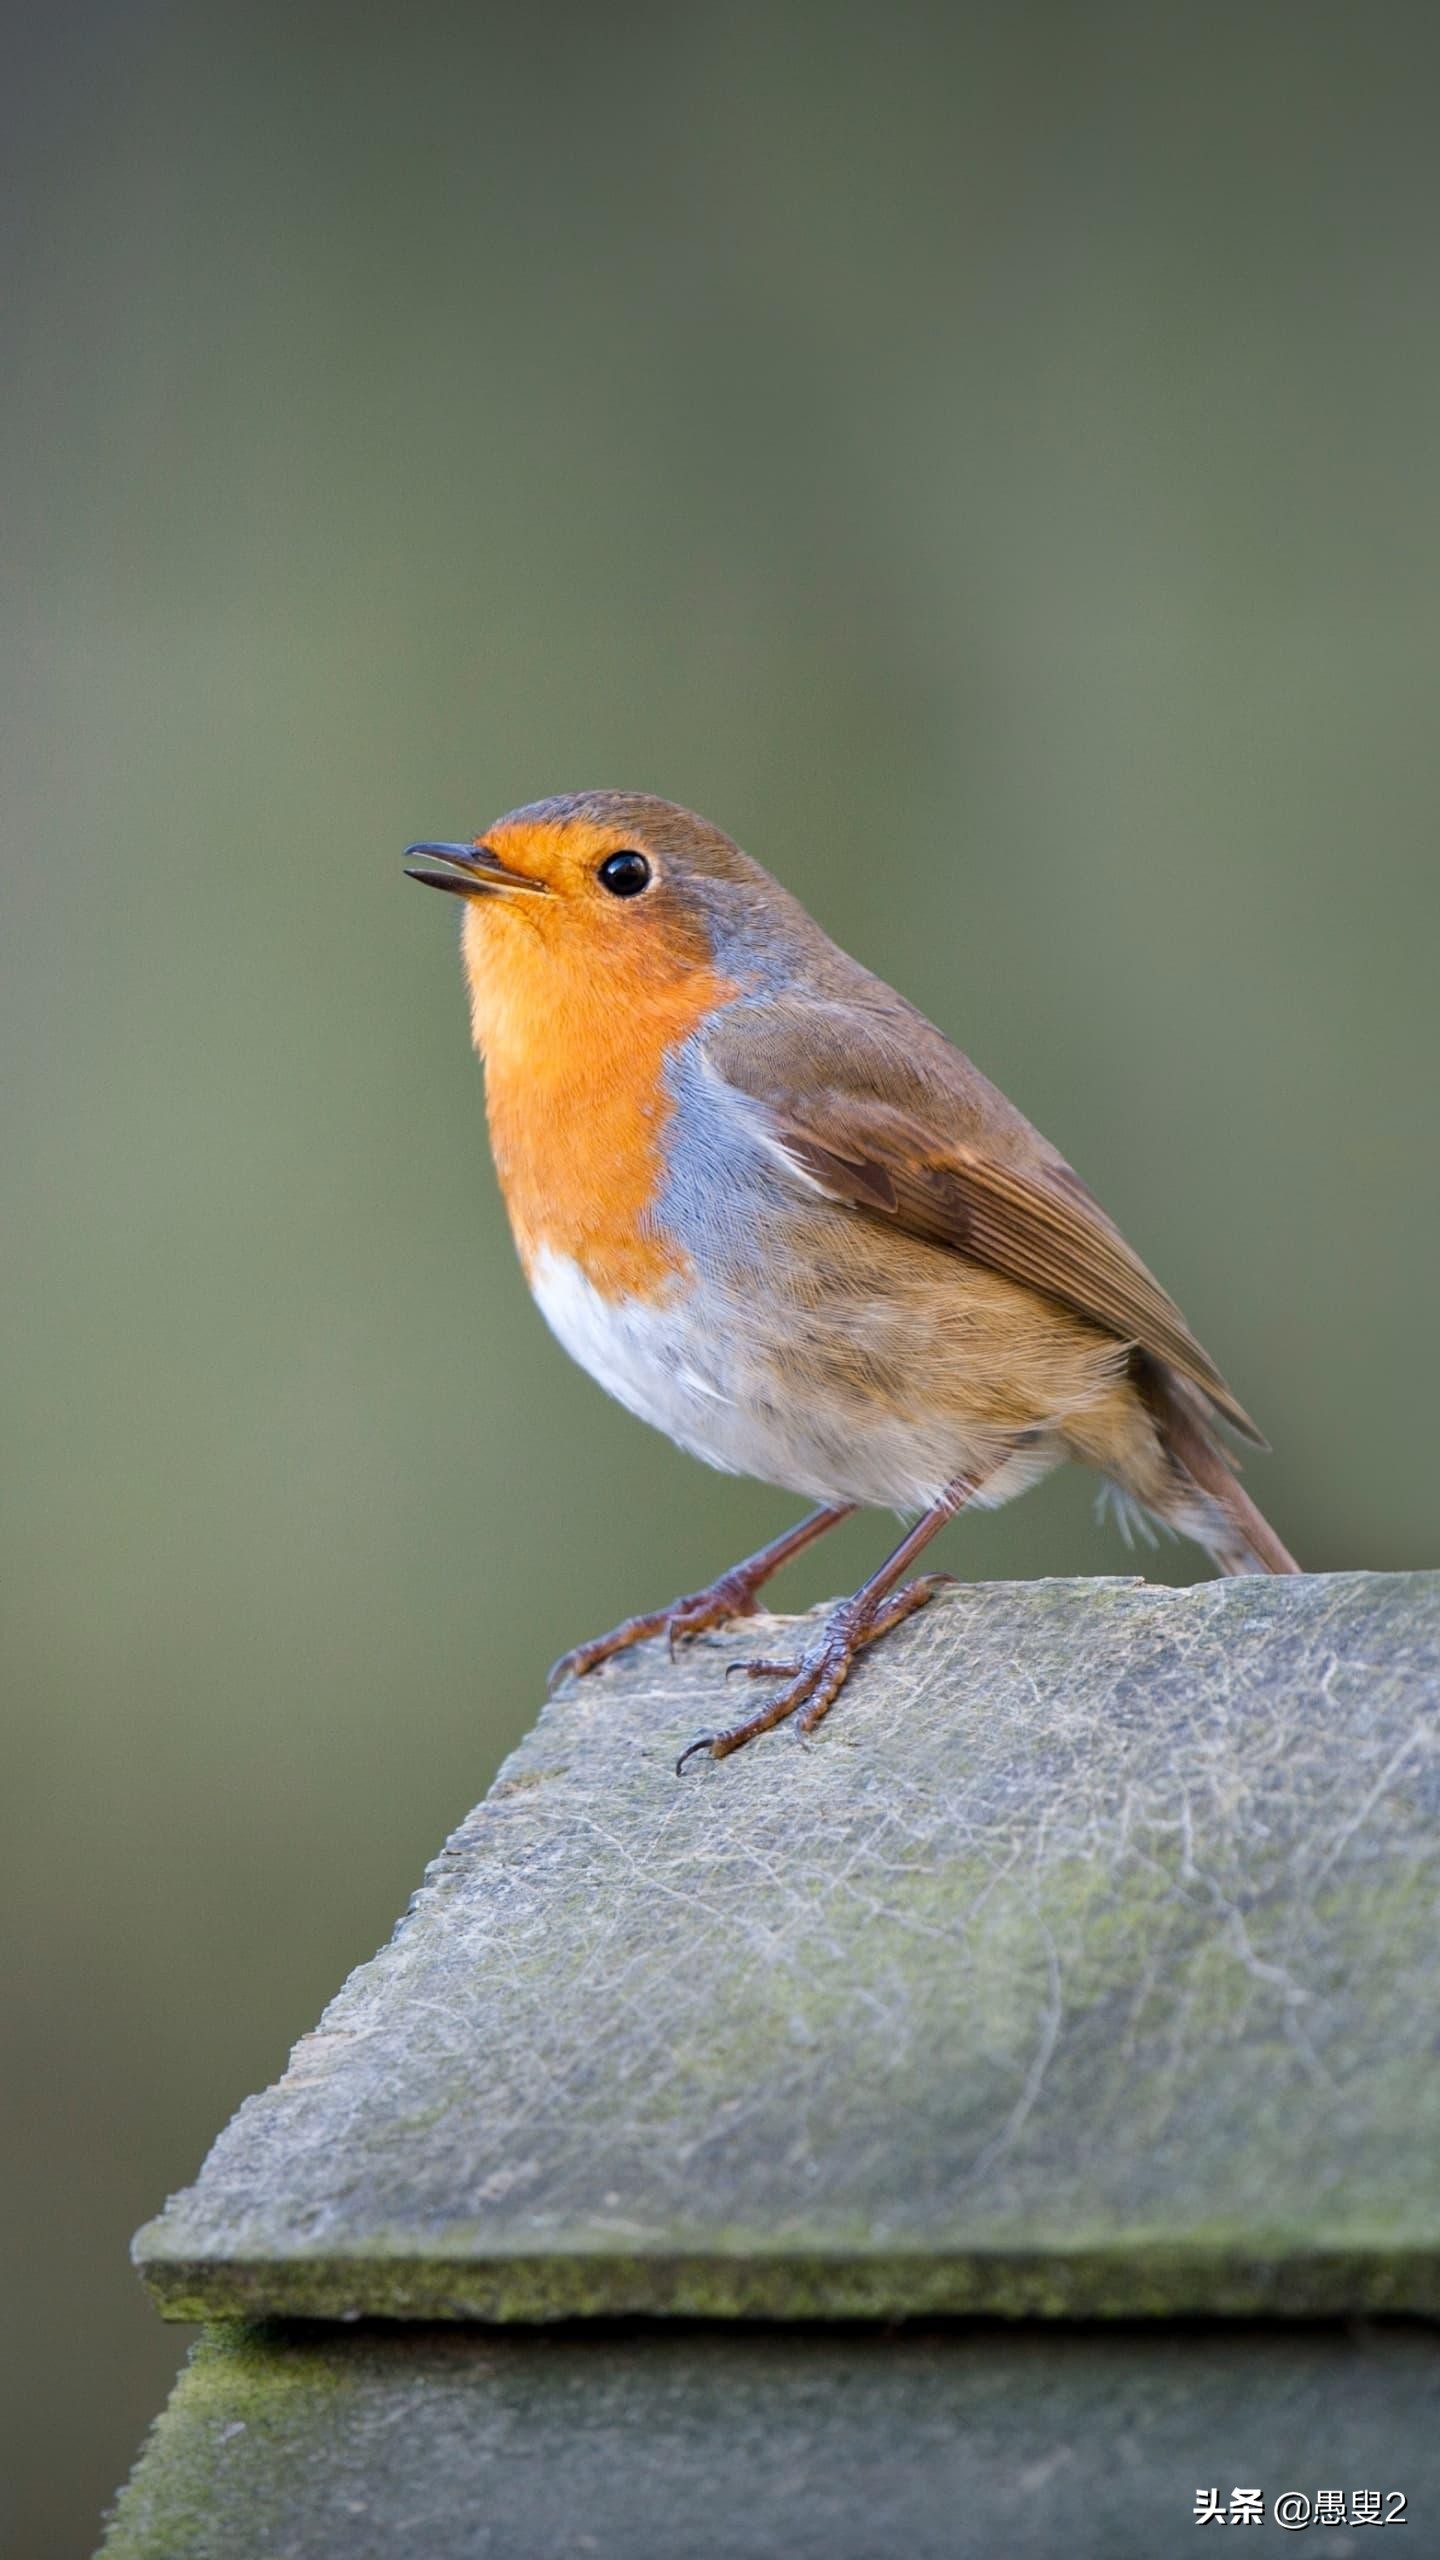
696,2445
1087,1961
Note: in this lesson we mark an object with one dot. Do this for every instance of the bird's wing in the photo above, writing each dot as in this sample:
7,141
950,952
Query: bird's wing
947,1159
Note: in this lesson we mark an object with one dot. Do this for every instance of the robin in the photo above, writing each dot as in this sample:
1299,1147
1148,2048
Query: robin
765,1202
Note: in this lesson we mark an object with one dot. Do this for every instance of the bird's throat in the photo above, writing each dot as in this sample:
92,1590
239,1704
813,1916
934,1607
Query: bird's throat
578,1094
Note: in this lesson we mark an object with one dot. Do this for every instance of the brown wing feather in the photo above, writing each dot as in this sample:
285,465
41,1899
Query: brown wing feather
1031,1220
1016,1225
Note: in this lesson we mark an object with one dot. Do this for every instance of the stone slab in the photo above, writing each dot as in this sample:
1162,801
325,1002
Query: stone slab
1086,1962
469,2445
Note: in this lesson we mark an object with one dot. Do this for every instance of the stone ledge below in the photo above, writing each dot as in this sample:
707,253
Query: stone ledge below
1087,1961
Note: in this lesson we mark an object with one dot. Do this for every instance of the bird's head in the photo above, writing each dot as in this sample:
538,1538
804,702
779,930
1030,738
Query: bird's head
608,898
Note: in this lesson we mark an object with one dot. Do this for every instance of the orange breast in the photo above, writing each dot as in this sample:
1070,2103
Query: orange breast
575,1060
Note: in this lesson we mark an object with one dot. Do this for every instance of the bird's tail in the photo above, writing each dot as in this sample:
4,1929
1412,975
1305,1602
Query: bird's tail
1207,1501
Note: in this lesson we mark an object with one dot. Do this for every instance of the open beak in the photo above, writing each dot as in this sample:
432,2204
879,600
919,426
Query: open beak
469,870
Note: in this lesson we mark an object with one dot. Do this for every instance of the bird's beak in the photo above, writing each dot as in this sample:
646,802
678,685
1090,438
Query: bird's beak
469,870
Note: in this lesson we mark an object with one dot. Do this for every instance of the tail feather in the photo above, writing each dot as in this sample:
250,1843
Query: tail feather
1225,1519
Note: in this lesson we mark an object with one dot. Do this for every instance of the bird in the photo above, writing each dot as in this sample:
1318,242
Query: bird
769,1205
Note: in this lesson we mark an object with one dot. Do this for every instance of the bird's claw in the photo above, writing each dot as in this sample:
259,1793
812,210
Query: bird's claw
731,1597
814,1682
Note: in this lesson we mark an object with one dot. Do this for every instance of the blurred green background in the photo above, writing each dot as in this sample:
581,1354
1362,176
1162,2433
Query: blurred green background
985,457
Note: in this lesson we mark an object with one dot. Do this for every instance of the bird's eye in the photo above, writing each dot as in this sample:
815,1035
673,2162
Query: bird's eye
624,874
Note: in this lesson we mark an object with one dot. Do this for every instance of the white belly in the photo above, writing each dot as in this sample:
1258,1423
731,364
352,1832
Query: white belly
699,1374
652,1357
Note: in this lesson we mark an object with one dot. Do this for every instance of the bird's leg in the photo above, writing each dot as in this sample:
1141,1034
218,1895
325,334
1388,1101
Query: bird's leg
732,1596
814,1682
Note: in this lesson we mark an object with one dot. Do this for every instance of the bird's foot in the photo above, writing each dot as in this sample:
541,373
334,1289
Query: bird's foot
813,1684
734,1595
